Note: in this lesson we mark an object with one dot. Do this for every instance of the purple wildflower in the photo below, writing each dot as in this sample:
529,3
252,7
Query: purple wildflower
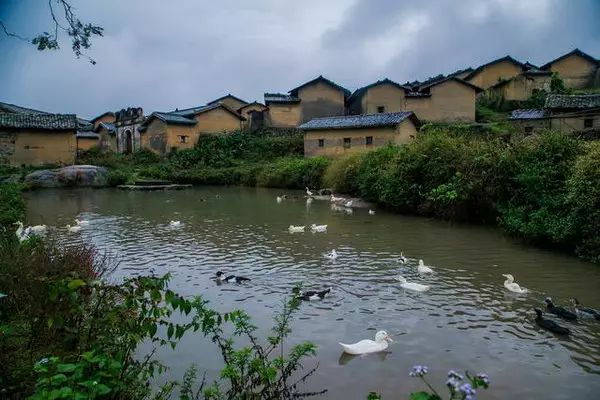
418,371
467,390
453,384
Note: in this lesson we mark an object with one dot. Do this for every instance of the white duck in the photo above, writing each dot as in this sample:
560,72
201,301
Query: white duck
73,229
417,287
334,199
349,203
367,346
308,192
296,229
511,285
25,233
423,269
371,212
175,224
279,199
309,200
318,228
81,222
348,211
332,255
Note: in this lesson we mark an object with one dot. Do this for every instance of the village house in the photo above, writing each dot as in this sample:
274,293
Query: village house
565,113
107,117
384,96
86,140
446,100
577,69
180,129
336,136
230,101
254,115
37,138
487,75
317,98
522,86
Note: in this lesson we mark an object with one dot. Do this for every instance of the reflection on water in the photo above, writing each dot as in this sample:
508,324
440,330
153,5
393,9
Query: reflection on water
466,320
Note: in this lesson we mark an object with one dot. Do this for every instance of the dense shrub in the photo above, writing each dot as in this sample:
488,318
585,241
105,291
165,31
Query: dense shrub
342,174
12,208
293,173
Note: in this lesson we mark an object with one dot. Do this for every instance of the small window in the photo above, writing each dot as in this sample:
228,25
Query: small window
321,142
588,123
183,139
347,142
380,109
369,140
528,129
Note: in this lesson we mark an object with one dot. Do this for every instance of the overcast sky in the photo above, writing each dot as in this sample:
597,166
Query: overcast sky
161,54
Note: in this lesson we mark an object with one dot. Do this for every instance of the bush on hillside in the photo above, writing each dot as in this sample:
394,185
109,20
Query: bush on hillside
342,174
293,173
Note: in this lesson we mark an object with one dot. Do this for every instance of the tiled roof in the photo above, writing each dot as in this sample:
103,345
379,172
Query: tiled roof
499,60
359,121
224,97
581,101
170,118
188,112
575,52
87,135
11,108
450,78
254,103
358,93
112,114
106,125
38,121
280,98
527,114
320,78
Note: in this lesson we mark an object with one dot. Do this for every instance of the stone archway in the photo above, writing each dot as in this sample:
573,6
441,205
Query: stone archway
128,142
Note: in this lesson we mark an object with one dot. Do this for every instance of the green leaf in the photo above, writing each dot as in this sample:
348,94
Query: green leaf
170,331
102,389
66,367
76,283
422,396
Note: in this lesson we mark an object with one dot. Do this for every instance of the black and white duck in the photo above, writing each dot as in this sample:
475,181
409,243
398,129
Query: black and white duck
310,295
221,277
548,324
559,311
585,312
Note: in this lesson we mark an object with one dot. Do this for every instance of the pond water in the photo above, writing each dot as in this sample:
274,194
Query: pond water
466,321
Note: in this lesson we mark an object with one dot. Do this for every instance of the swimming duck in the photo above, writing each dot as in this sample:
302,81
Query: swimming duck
296,229
334,199
308,192
73,229
24,233
559,311
310,295
331,255
371,212
586,312
175,224
349,203
220,276
417,287
279,199
81,222
423,269
318,228
403,259
348,211
367,346
548,324
510,284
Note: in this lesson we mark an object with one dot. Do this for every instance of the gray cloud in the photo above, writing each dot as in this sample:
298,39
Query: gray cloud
161,56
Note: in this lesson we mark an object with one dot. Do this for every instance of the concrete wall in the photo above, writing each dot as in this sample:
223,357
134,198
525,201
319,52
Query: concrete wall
283,115
320,100
520,88
37,147
334,139
492,74
576,71
387,95
217,120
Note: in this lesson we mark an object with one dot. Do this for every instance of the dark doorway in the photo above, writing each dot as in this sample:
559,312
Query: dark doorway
128,142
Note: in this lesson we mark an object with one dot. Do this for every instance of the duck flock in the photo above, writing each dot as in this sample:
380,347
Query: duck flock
382,339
